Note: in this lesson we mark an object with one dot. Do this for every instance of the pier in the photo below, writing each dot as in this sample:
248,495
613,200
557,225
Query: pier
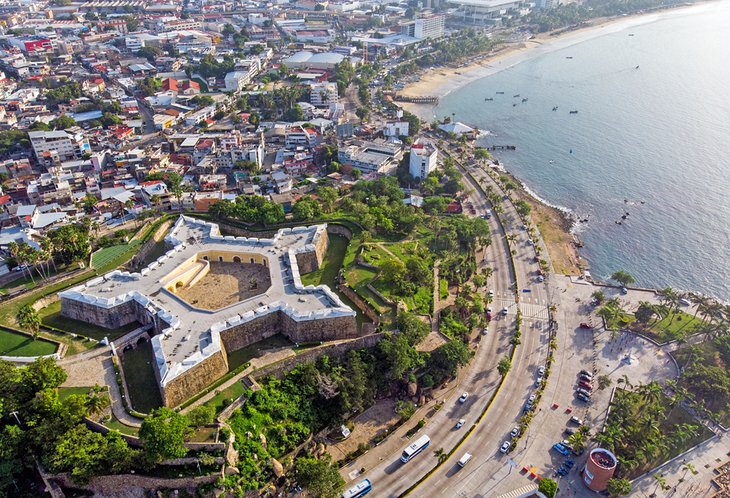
416,100
502,147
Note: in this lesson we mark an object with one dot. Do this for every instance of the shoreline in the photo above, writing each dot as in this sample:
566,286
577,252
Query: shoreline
441,81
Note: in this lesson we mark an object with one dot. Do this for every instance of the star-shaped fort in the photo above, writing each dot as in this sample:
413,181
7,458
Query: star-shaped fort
195,328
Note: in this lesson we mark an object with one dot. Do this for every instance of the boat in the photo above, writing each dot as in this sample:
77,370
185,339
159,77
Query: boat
569,57
500,93
515,96
524,100
637,67
574,112
555,108
488,99
551,161
631,34
514,105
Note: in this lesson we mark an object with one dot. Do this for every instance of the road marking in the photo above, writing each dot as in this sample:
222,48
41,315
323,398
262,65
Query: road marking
536,311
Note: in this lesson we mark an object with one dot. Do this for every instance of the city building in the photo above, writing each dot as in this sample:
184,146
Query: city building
323,94
599,468
430,26
423,160
66,143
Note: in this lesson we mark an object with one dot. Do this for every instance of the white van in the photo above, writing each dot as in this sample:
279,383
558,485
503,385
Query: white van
685,302
465,459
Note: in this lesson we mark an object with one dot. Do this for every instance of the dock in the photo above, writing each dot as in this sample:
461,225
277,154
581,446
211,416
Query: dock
502,147
416,100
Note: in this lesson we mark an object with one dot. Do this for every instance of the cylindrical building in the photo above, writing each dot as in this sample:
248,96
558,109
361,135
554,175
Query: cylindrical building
599,468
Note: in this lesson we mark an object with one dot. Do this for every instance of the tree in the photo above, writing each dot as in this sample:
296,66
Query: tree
392,270
80,452
319,476
295,113
548,487
623,278
132,23
62,122
599,296
163,433
328,197
645,312
305,209
504,366
363,113
604,381
89,202
149,53
440,455
29,319
618,487
449,357
39,126
201,415
150,85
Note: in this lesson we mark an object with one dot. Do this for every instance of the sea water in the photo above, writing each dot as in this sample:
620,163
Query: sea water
649,147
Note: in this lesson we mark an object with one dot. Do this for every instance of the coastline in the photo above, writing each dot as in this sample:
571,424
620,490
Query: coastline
556,224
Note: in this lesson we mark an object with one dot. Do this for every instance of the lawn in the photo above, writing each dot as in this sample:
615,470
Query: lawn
116,425
109,258
51,317
203,435
14,344
65,392
331,265
676,325
231,393
140,377
443,288
621,321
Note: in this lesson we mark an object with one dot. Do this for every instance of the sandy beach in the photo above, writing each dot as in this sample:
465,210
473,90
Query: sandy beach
441,81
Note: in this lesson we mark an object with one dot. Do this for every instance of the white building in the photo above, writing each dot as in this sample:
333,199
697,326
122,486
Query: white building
323,94
68,145
423,159
236,80
396,129
425,27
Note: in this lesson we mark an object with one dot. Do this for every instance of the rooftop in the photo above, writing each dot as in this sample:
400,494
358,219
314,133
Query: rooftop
193,334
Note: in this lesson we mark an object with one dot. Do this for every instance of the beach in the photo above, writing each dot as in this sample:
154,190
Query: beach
441,81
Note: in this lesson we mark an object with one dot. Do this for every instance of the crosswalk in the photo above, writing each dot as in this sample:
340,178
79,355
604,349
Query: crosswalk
523,491
530,311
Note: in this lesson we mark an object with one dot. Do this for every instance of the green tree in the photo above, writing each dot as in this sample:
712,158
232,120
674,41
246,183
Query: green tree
163,433
645,312
62,122
29,319
599,296
328,197
80,452
504,366
618,487
548,487
305,209
449,357
392,270
604,381
441,455
623,278
201,415
319,476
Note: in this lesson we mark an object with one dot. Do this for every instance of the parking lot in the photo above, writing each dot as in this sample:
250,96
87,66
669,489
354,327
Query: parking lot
595,350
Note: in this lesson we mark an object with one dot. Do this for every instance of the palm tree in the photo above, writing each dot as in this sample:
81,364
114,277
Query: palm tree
511,237
688,467
441,455
625,381
155,200
487,272
29,319
97,400
660,481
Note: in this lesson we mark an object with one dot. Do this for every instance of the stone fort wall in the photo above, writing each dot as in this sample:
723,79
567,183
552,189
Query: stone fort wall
110,318
189,383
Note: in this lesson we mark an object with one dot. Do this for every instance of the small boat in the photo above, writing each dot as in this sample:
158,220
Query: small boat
515,96
514,105
568,57
574,112
631,34
555,108
524,100
488,99
500,93
637,67
551,161
571,151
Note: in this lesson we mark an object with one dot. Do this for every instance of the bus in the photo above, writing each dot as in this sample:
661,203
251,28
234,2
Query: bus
415,448
360,489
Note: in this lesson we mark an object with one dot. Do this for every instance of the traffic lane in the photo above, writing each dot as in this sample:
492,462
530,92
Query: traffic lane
485,441
394,477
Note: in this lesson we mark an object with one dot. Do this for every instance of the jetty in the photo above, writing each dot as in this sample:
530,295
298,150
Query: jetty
501,147
416,100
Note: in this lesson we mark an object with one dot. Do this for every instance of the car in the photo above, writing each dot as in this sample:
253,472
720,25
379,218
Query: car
586,385
530,242
532,398
585,325
505,310
463,397
485,331
460,423
489,316
538,381
583,398
528,406
575,420
540,278
624,290
541,371
489,309
584,377
569,431
491,292
515,432
561,449
583,392
586,373
505,447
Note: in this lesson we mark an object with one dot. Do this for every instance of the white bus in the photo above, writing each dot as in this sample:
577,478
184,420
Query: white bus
360,489
415,448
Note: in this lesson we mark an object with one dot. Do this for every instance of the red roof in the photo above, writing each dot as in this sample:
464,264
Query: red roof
169,84
4,199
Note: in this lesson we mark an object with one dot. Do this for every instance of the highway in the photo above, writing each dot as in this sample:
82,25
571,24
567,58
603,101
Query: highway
391,477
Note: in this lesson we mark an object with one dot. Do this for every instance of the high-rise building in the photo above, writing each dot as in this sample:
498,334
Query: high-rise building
423,159
431,26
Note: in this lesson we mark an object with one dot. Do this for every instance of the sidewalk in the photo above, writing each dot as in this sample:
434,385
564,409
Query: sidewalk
110,379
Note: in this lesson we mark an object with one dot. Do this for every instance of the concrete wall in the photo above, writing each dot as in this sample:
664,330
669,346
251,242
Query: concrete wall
248,333
112,318
195,380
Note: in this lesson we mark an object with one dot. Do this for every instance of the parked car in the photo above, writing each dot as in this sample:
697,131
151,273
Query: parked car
561,449
583,392
505,310
515,432
540,278
491,292
505,447
541,371
463,397
624,290
575,420
538,381
586,385
569,431
584,325
584,377
586,373
583,398
460,423
489,316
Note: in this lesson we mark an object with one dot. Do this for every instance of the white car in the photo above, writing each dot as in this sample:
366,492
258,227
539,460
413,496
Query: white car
491,293
541,371
515,432
505,310
460,423
463,397
505,447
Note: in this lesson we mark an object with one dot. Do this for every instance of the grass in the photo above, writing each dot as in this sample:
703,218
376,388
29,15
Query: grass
111,257
443,288
124,429
203,85
331,265
203,435
24,280
231,393
676,325
65,392
51,317
620,321
14,344
140,376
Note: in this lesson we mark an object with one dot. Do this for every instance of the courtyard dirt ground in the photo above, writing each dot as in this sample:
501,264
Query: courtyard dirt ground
368,424
226,284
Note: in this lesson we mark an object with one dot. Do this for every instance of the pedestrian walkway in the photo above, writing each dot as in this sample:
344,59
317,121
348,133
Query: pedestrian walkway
110,379
520,491
534,311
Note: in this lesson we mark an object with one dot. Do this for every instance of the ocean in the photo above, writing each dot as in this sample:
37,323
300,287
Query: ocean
649,146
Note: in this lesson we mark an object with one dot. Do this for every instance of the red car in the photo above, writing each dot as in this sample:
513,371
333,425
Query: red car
585,326
489,316
585,385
